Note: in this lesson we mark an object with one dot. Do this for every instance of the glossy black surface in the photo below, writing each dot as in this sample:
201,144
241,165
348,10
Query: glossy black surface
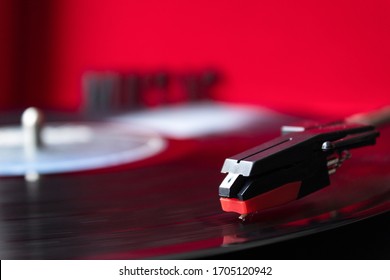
168,207
368,239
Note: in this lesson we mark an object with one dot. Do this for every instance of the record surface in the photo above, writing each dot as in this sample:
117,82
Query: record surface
168,206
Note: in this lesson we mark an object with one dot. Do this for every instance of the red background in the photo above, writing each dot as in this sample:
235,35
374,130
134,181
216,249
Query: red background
311,56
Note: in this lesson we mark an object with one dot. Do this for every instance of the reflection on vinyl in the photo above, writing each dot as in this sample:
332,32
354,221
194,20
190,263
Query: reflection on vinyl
168,207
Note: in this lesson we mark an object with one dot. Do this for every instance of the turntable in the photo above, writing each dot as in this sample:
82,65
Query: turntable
130,186
121,155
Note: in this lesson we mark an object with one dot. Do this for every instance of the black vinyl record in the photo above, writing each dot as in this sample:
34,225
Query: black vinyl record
167,206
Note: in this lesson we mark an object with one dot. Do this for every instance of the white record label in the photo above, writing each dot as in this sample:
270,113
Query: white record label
77,147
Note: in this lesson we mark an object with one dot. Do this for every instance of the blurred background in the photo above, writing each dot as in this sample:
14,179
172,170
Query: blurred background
328,57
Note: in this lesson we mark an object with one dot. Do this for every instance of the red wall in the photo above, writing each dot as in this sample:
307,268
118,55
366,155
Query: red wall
5,51
331,56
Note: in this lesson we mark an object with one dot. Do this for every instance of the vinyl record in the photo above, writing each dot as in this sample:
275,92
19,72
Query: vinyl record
167,206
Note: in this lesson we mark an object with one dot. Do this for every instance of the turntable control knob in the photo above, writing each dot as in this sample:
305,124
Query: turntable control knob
32,123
